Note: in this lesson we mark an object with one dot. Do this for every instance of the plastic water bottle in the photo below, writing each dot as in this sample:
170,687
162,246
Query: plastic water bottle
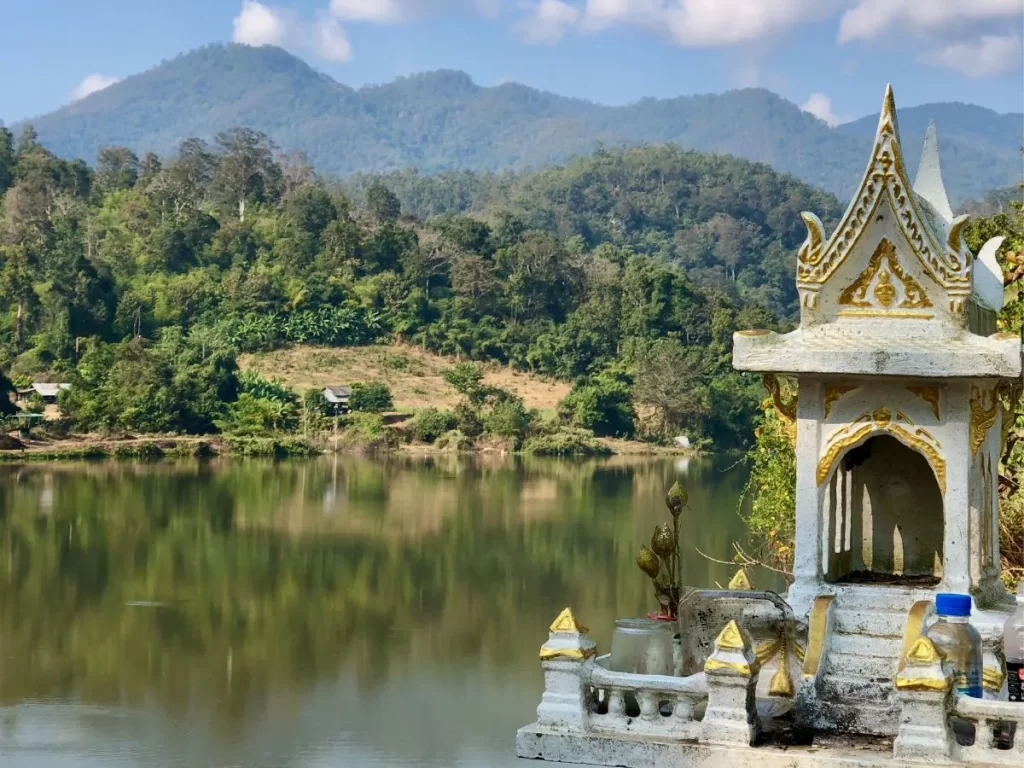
1013,649
958,642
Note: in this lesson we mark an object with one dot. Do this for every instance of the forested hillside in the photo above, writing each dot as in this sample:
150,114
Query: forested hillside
443,121
625,272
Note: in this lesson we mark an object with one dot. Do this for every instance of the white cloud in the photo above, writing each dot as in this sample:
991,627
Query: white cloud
92,83
489,8
984,56
329,40
820,105
873,18
548,21
259,24
379,11
397,11
705,23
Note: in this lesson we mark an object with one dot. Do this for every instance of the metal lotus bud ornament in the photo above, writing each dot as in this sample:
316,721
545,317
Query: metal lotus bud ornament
663,542
648,562
676,499
661,561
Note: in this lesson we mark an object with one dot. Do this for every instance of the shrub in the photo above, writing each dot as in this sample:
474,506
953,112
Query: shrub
466,379
371,397
567,442
432,423
467,420
508,419
454,440
367,431
252,383
1011,538
772,488
251,415
601,405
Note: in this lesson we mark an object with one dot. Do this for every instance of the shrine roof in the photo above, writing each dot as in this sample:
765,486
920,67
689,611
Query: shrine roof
875,348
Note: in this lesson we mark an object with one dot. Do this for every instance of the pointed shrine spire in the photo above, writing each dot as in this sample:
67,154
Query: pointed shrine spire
928,183
887,119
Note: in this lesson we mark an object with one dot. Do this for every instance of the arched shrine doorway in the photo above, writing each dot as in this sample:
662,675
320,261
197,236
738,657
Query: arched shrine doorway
885,516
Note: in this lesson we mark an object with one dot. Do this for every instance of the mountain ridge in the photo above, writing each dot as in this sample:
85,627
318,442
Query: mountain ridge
442,120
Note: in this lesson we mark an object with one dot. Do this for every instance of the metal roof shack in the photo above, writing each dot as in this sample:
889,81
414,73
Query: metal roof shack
338,394
44,389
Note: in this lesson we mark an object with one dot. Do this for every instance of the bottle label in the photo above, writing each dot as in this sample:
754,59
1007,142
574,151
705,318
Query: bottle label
1015,680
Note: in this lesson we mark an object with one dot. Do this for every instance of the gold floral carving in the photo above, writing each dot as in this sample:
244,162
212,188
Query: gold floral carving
785,407
881,421
834,393
886,177
984,407
928,393
855,294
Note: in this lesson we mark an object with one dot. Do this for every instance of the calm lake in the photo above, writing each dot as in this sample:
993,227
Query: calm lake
337,612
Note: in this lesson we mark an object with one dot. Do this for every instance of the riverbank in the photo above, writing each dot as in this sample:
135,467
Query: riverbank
286,446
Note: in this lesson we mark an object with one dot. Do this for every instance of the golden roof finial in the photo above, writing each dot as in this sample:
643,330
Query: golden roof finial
740,581
732,638
923,651
566,622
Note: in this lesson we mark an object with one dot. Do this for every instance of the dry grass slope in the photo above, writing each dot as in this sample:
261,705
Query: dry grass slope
414,375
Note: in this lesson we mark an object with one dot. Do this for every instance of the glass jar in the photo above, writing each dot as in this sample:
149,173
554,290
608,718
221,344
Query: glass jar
642,646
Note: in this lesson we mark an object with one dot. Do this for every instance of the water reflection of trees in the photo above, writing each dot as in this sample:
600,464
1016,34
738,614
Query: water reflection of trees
189,583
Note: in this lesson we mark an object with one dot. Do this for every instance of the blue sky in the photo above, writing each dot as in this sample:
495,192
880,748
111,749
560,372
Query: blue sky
832,56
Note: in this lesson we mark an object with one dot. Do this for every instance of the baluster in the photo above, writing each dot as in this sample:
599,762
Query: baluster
648,701
616,704
682,712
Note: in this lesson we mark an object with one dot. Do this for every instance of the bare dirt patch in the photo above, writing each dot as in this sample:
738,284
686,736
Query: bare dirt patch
414,375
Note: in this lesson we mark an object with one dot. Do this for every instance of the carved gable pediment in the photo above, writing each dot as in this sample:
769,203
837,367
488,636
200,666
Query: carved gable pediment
896,253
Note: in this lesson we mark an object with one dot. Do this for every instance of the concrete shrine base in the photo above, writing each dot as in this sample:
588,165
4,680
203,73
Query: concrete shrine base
534,742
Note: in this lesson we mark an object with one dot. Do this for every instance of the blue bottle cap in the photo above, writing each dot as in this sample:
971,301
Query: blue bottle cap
950,604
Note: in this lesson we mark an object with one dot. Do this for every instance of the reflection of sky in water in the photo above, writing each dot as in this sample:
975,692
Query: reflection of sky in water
326,613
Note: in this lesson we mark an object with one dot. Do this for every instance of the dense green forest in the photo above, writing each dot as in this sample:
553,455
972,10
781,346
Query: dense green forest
141,279
440,121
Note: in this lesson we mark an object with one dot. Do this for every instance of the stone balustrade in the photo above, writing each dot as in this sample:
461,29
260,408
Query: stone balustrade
933,727
998,731
658,705
583,696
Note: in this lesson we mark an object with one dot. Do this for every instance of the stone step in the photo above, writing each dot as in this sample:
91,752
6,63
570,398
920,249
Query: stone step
860,666
868,691
868,645
879,719
868,622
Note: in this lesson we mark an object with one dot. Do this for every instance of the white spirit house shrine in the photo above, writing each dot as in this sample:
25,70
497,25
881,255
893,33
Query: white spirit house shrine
893,388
